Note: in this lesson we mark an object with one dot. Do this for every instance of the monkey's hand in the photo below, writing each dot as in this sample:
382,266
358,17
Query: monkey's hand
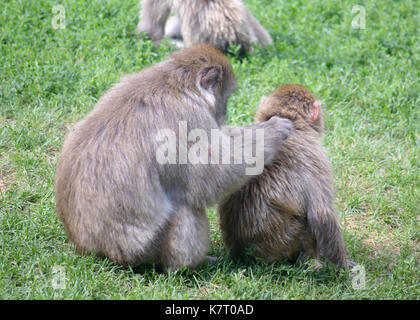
275,131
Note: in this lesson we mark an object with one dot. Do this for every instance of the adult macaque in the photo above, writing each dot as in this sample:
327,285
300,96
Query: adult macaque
112,194
288,211
219,23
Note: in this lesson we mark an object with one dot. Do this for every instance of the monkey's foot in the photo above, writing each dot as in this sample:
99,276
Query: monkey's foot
211,259
351,264
179,44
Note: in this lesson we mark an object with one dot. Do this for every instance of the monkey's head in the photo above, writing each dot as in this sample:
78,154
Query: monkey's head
293,102
208,73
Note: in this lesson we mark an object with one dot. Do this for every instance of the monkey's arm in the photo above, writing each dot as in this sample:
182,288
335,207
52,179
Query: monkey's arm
153,16
323,223
238,130
240,156
285,127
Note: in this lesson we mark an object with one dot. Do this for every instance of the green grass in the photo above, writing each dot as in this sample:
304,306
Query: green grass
368,80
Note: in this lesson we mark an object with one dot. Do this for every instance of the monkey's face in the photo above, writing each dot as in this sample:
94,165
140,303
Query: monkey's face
216,84
225,92
209,73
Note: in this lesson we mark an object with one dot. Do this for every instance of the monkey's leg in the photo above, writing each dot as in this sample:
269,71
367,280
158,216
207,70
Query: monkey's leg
259,34
153,16
304,257
187,239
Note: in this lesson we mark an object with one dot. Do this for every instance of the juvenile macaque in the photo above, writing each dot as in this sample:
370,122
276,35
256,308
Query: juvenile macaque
114,196
288,211
219,23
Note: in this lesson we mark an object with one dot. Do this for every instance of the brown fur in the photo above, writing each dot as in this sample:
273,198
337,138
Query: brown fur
288,210
219,23
115,199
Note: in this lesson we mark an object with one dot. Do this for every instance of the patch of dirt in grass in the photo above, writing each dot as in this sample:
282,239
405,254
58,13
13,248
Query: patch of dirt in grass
7,177
380,238
3,187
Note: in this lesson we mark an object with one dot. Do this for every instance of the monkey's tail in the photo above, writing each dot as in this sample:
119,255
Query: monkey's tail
324,226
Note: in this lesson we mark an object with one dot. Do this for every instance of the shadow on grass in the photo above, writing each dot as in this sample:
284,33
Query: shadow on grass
226,267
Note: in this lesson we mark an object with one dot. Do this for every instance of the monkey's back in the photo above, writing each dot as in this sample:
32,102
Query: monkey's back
269,213
219,23
103,178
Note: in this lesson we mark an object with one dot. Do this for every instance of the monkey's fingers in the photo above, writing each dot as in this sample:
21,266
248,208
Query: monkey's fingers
281,126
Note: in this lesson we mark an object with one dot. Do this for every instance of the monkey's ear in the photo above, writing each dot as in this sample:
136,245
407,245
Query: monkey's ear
210,77
315,110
